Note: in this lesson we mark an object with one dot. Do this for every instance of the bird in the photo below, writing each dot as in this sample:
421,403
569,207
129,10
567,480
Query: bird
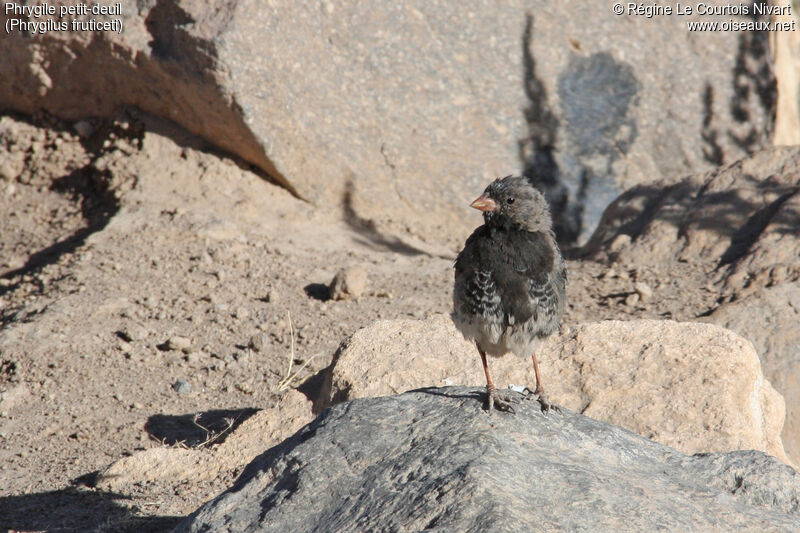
510,281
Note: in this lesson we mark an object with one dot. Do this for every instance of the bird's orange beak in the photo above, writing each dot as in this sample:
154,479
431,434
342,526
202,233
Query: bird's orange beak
484,203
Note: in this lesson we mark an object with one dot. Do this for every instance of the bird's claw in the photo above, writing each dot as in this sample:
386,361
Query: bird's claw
495,401
545,405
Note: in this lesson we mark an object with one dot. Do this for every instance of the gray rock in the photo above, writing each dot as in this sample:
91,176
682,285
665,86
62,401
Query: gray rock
181,386
435,460
394,111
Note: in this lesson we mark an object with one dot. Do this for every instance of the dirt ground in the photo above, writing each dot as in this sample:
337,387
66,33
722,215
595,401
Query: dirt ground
146,278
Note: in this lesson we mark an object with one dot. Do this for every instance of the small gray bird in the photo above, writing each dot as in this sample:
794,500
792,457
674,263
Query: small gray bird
510,280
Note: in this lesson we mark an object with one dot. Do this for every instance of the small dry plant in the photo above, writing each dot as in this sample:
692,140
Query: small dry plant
211,435
286,382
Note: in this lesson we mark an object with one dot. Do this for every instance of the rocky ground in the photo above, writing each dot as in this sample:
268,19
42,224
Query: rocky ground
165,314
146,278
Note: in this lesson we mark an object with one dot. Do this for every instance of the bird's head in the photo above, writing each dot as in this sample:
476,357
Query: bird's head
514,202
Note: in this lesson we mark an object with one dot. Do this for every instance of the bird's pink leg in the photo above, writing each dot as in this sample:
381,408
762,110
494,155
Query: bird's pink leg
536,371
494,399
539,392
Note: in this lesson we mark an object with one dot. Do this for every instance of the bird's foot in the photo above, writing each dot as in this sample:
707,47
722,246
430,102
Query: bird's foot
496,401
542,399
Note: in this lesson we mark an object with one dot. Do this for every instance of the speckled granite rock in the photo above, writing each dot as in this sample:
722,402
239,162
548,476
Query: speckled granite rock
695,387
434,459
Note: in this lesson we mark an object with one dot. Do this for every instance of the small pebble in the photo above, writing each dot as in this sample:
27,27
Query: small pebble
245,388
242,357
179,344
259,341
181,387
83,128
643,290
383,294
349,283
272,296
632,299
7,171
620,241
192,357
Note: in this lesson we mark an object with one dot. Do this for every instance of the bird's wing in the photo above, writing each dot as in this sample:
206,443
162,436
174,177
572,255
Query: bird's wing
475,291
513,277
532,284
546,302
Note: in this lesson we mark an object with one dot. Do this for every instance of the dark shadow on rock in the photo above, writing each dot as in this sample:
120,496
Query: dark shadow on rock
753,86
195,57
77,509
712,151
597,94
192,430
536,150
690,206
746,235
166,22
475,394
87,186
368,233
314,387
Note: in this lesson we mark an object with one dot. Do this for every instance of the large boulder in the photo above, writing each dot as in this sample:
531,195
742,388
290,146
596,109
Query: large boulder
695,387
735,234
433,459
771,319
739,223
400,113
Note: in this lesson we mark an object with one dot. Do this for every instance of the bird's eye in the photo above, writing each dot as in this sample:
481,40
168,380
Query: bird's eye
509,200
